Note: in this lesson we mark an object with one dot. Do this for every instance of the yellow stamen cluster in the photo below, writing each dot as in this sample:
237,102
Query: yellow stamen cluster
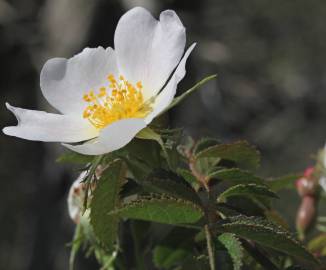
119,100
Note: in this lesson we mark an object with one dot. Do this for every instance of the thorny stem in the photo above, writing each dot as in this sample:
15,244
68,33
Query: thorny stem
210,213
192,166
210,248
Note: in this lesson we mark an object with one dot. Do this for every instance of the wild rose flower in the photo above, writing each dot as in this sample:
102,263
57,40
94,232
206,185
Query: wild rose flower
106,96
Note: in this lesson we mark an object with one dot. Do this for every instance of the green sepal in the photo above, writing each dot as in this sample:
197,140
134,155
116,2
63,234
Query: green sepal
180,98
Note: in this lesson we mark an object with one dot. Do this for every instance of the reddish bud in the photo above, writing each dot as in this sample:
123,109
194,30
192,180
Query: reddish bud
306,215
308,172
306,186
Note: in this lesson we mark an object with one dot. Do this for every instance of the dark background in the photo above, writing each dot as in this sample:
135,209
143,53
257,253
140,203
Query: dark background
270,59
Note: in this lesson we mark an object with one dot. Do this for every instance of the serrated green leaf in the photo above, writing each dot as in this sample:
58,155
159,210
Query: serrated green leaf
236,176
266,234
250,190
162,181
243,154
283,182
180,98
189,177
105,199
75,158
233,247
204,143
161,209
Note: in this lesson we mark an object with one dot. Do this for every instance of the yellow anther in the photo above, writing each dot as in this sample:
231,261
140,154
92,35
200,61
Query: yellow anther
86,98
139,85
124,101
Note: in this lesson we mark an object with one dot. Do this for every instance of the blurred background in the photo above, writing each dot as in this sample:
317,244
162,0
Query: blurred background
270,58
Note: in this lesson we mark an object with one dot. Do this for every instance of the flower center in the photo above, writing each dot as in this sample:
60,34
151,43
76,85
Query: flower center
123,100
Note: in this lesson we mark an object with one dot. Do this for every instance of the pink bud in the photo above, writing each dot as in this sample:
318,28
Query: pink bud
305,215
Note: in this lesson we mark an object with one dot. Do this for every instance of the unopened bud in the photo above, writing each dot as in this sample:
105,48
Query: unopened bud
76,198
309,172
306,185
305,215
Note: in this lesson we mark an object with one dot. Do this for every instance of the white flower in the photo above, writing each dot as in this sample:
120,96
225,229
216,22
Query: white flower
107,96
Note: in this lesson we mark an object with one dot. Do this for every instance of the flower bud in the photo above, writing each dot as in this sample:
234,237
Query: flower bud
306,185
76,198
309,172
305,215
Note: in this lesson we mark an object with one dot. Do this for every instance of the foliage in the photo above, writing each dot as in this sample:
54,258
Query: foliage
200,206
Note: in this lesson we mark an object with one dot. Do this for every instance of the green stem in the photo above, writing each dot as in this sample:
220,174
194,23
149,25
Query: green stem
210,248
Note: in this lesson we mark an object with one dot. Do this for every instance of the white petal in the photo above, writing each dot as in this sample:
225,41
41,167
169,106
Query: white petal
111,138
49,127
65,81
148,50
165,97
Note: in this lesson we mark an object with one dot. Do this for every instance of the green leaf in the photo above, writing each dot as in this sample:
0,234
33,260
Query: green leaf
174,249
233,248
266,234
240,152
283,182
250,190
105,199
167,182
180,98
166,257
149,134
189,177
75,158
318,244
236,176
161,209
204,143
75,245
148,151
